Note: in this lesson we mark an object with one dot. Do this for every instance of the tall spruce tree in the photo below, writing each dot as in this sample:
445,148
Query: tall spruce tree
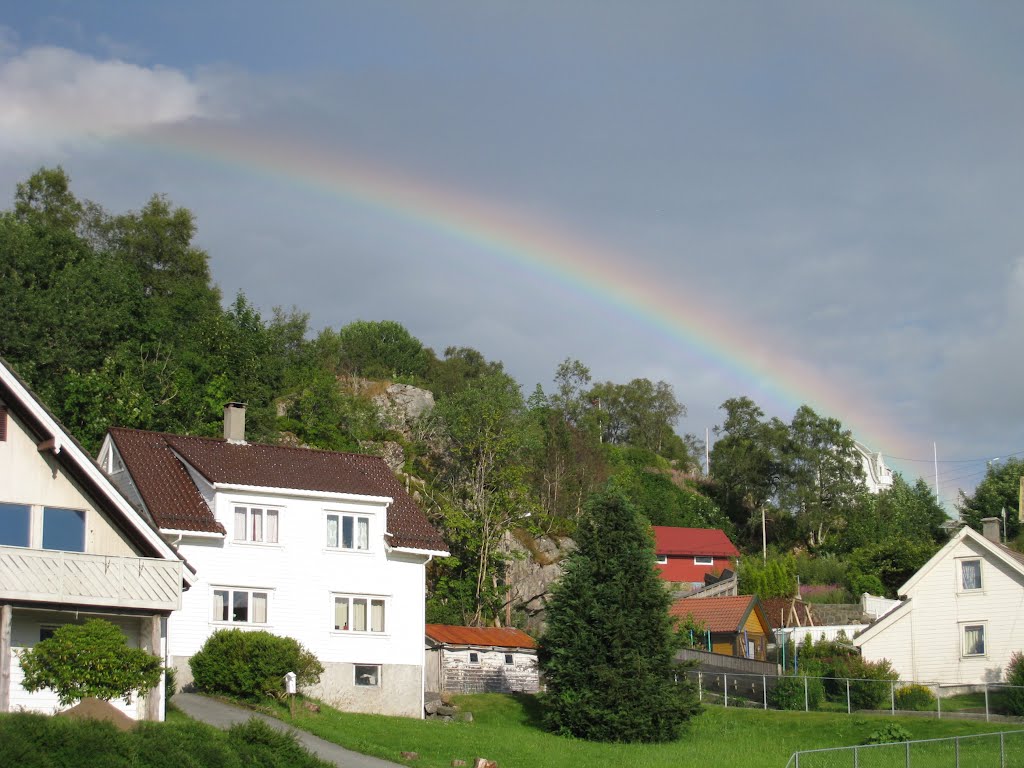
608,651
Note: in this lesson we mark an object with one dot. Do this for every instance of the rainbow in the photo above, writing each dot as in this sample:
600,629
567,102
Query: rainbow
542,249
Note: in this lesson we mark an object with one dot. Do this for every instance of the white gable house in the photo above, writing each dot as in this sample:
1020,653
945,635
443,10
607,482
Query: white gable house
962,615
322,546
72,548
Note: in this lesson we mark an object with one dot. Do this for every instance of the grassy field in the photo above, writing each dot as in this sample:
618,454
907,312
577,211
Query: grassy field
507,729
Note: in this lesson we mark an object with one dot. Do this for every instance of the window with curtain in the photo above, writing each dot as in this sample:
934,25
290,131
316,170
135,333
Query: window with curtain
348,532
358,613
240,606
970,574
256,524
974,640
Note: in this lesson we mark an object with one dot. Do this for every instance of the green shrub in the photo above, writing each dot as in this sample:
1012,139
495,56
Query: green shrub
915,698
91,659
888,734
170,685
1015,676
251,664
789,693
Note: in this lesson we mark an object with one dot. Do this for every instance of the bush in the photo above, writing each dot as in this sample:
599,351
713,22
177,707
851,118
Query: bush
915,698
170,685
888,734
251,664
91,659
1015,676
789,693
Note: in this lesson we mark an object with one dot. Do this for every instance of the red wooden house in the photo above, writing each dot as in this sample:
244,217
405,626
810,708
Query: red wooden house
686,555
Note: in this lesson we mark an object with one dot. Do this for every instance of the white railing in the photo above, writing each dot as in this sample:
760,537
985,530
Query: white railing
80,578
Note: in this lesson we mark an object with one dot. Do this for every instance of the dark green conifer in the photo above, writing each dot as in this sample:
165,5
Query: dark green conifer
608,652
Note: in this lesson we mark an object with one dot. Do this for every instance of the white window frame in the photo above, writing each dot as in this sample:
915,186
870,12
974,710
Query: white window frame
335,539
961,562
966,625
250,606
355,675
348,629
249,534
661,559
703,559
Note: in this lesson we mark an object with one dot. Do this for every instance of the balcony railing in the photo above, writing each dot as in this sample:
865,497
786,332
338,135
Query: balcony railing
78,578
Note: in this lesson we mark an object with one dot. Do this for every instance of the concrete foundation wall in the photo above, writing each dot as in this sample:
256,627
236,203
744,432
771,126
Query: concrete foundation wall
400,691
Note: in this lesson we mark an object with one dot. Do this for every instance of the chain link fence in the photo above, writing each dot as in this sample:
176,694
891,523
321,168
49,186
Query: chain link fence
838,694
985,750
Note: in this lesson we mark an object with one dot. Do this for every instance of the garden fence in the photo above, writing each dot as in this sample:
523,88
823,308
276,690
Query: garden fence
983,750
840,694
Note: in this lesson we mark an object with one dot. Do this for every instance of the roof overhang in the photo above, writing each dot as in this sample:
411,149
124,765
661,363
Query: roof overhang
301,492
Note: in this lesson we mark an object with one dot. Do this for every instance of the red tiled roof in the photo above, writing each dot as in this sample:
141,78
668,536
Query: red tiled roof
719,614
174,501
692,541
490,637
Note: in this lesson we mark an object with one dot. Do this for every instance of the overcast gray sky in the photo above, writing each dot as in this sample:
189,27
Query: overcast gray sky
796,201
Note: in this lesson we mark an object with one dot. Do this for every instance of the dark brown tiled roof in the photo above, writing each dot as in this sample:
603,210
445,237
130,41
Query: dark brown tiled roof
161,478
490,637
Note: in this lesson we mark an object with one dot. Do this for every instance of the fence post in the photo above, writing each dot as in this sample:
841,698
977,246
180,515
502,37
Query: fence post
956,743
986,702
807,707
892,696
1002,751
938,700
856,757
848,709
908,754
764,689
725,688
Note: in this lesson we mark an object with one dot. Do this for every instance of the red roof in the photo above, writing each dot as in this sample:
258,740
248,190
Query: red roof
693,541
157,462
488,637
719,614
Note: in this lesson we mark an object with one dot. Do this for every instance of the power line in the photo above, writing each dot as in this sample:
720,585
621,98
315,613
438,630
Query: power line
953,461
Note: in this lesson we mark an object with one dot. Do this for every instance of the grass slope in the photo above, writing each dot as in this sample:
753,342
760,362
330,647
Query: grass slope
507,729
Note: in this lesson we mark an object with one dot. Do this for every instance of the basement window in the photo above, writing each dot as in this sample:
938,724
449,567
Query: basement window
368,675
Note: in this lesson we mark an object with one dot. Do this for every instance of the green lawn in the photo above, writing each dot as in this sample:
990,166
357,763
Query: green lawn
506,729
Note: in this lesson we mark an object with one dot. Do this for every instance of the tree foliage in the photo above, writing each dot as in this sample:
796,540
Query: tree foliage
89,660
774,577
607,653
999,490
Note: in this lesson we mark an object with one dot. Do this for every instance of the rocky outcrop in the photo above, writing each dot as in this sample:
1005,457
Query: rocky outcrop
402,405
535,564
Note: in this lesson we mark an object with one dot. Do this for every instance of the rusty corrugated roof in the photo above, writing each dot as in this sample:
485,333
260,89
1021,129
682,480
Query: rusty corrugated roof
488,637
152,459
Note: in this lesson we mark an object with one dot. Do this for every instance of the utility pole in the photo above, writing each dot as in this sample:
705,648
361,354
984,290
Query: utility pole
707,452
935,452
764,538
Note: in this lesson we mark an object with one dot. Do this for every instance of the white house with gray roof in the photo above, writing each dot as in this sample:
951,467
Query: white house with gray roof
322,546
962,614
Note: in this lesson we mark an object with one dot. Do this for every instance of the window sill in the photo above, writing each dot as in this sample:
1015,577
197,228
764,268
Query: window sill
240,625
355,633
257,544
342,551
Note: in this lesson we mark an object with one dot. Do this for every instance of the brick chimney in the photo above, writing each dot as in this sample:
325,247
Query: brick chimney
990,528
234,423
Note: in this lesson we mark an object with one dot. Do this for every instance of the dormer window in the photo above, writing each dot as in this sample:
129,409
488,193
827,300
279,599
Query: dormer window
348,532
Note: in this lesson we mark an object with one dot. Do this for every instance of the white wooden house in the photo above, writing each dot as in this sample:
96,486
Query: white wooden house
72,548
322,546
961,617
480,660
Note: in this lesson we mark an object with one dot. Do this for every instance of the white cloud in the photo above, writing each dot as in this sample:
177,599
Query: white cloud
55,96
